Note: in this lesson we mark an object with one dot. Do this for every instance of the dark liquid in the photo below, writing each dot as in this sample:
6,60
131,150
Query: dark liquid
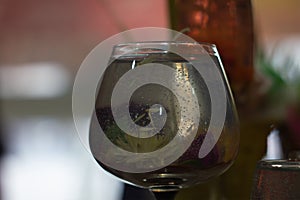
188,169
277,182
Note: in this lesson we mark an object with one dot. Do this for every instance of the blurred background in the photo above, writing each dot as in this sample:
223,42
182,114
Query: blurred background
42,44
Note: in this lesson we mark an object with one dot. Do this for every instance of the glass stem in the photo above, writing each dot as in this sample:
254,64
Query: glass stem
165,195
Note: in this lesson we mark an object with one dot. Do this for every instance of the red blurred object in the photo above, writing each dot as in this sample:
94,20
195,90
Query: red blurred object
226,23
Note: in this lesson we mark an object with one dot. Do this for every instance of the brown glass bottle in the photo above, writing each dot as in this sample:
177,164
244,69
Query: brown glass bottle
226,23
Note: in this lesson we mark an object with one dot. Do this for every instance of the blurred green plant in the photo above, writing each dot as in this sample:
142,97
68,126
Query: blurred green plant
283,78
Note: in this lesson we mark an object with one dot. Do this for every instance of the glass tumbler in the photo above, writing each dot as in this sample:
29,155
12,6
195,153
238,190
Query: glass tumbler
277,180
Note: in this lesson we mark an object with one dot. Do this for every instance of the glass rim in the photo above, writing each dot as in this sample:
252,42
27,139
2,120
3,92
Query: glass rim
280,164
166,42
148,47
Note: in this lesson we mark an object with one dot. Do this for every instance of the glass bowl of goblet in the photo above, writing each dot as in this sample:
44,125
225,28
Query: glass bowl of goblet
164,117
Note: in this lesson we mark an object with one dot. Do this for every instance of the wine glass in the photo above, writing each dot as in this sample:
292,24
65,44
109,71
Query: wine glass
164,118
